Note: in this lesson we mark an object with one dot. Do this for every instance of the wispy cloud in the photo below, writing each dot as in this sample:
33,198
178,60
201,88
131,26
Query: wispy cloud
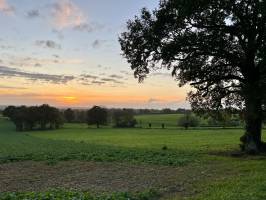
12,87
111,80
6,8
67,14
116,76
48,44
153,100
52,78
98,43
34,13
17,61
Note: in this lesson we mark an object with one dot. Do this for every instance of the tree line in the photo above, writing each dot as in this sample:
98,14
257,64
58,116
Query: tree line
122,118
46,117
34,117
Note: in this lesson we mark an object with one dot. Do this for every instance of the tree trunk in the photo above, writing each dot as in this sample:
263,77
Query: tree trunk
253,117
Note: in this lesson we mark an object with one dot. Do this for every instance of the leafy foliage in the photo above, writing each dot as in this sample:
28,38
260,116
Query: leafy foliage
28,118
218,47
124,118
69,115
188,120
97,115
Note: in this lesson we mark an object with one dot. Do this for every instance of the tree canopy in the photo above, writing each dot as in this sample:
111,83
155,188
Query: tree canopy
69,115
124,118
97,115
216,46
34,117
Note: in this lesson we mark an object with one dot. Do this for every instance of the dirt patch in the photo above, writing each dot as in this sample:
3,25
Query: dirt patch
99,177
177,182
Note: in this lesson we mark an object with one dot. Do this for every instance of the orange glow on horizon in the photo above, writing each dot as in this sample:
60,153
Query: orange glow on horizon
70,100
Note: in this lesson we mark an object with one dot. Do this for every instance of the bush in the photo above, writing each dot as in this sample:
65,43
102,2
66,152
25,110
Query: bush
124,118
188,120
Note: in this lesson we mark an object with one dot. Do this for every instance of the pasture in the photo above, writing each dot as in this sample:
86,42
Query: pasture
156,120
77,162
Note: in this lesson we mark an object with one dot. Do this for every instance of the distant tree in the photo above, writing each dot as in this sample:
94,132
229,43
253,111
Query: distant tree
188,120
55,118
32,117
124,118
218,47
167,111
9,112
69,115
27,118
97,115
81,116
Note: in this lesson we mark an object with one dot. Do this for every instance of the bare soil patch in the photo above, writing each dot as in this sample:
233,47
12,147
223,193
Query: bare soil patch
88,176
101,177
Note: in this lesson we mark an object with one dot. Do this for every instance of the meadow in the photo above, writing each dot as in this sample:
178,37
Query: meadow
81,162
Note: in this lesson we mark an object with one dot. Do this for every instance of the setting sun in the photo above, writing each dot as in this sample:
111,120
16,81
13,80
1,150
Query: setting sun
70,99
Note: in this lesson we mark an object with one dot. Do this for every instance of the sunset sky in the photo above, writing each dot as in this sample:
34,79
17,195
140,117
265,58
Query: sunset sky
66,53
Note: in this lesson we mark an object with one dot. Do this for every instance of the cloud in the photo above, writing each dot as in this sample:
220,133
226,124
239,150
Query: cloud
116,76
98,43
89,79
33,14
88,76
68,15
112,80
152,100
126,72
98,82
6,8
59,34
14,72
11,87
48,44
18,61
37,65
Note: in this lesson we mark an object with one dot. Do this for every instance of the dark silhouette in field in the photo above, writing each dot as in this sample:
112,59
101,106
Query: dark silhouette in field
188,120
218,47
69,115
34,117
97,115
124,118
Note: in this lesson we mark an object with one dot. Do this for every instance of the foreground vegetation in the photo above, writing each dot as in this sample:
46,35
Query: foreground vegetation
202,158
70,195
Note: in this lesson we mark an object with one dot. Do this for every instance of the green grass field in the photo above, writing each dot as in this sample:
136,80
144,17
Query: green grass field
170,120
207,171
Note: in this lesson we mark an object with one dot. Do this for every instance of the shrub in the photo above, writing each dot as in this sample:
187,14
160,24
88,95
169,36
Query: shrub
188,120
124,118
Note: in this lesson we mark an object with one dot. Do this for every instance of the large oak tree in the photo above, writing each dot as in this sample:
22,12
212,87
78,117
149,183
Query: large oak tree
216,46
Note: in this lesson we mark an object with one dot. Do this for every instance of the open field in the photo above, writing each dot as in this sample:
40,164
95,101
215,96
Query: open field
170,120
90,163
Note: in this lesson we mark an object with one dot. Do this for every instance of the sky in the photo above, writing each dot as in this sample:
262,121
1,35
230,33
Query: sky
66,53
